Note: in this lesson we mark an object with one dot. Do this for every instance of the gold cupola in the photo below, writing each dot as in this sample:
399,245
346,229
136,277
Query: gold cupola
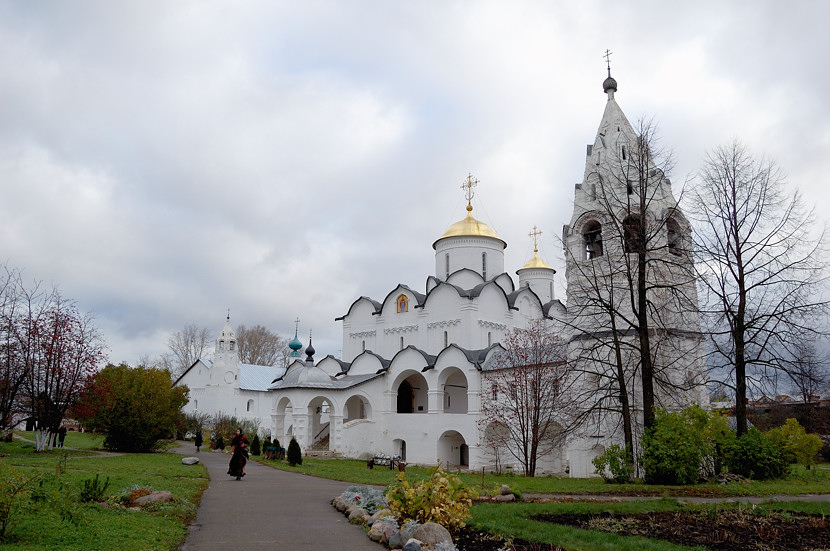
469,226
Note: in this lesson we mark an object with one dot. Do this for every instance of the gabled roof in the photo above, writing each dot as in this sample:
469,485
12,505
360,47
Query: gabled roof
371,301
206,363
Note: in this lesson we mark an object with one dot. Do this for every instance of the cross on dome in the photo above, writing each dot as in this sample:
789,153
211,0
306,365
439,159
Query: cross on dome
535,234
468,186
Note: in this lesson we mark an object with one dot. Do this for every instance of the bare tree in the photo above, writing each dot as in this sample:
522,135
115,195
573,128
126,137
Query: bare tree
261,346
187,346
760,261
528,409
632,303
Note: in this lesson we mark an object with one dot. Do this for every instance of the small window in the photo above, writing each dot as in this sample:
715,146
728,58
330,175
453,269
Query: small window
403,304
195,404
232,344
484,266
447,265
550,290
363,346
495,392
221,345
629,187
622,149
489,338
401,343
592,240
446,339
249,406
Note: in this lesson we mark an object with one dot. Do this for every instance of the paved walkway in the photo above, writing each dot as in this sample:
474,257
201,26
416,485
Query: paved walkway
269,509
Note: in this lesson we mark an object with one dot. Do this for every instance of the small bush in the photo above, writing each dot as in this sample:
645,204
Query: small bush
442,498
615,465
797,445
94,489
13,495
256,448
371,499
675,446
294,455
756,456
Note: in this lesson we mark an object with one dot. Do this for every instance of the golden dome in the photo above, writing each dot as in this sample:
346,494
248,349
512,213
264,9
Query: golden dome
470,227
536,262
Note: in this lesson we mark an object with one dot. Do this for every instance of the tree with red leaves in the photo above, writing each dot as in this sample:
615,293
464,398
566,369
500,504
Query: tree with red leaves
528,406
64,350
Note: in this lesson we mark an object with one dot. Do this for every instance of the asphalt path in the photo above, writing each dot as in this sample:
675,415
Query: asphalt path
269,509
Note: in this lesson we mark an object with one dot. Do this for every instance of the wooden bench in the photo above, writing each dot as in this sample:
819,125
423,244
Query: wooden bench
386,461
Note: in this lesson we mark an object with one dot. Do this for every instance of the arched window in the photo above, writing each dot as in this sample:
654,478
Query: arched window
401,343
195,404
221,345
675,242
363,346
249,406
633,235
489,338
592,240
484,266
403,304
231,344
447,265
446,339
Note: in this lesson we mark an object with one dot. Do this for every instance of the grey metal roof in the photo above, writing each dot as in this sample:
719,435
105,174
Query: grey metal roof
258,377
340,383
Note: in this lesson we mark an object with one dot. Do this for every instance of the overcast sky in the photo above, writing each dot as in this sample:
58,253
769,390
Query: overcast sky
163,162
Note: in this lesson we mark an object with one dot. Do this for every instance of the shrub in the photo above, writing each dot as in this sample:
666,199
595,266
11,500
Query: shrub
94,489
615,465
796,444
674,447
441,498
255,446
13,495
756,456
220,444
294,455
371,499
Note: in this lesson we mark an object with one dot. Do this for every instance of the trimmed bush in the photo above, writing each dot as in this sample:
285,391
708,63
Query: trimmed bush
255,446
755,455
294,455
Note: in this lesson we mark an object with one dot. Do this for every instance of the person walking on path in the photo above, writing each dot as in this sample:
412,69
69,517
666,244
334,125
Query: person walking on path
198,440
239,448
61,436
282,511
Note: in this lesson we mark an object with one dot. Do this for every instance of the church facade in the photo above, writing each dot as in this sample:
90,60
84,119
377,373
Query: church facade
413,375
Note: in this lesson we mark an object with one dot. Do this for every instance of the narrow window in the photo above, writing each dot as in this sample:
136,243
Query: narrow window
249,406
221,345
447,265
489,338
231,344
495,390
592,240
401,343
633,235
363,346
629,187
195,404
550,290
446,339
484,266
623,153
674,240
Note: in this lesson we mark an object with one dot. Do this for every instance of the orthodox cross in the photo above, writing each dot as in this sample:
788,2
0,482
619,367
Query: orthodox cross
229,314
296,325
607,57
468,186
534,234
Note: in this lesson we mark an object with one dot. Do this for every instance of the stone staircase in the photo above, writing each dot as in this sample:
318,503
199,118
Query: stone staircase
320,449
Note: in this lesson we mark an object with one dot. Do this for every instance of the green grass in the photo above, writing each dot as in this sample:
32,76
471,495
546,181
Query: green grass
54,517
817,480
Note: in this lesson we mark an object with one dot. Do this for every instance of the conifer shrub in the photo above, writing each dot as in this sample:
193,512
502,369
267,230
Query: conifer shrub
441,498
255,446
93,489
294,455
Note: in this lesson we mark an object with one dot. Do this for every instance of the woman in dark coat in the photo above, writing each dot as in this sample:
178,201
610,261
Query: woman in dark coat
239,447
198,440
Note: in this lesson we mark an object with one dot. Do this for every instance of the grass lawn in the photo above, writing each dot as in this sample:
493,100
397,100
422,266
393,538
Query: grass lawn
52,515
801,481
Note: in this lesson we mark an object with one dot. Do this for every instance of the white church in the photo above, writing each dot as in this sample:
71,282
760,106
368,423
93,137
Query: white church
413,373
